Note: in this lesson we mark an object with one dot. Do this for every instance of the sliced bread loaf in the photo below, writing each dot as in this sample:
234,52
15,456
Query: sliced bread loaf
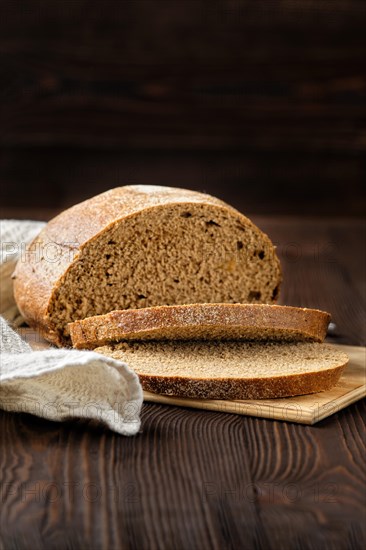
202,321
141,246
232,369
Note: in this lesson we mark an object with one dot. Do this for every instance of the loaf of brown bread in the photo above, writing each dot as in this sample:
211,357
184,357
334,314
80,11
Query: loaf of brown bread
231,369
141,246
202,321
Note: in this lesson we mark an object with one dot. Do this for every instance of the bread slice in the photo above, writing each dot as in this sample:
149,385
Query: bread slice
202,321
232,369
142,246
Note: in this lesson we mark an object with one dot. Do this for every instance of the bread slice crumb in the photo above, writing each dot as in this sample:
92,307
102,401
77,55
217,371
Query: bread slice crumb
231,369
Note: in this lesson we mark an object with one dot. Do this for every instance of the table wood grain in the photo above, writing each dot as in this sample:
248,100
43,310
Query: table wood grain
199,479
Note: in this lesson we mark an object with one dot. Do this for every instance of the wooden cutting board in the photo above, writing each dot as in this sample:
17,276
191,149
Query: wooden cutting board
304,409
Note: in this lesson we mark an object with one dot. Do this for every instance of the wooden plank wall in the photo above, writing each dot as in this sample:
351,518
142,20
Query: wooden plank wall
259,102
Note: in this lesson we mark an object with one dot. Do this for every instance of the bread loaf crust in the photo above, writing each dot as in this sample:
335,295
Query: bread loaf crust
202,321
60,244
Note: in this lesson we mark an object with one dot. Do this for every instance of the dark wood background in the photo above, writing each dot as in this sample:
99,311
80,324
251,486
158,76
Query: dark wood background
259,102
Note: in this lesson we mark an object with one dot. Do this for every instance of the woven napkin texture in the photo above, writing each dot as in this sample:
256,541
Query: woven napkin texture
58,384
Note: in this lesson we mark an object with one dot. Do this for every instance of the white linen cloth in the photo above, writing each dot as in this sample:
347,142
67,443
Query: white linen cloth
58,384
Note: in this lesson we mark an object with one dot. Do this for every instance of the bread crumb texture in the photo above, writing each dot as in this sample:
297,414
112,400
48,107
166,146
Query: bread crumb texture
231,369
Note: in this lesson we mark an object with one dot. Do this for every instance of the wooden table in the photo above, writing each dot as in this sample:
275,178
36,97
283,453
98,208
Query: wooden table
200,480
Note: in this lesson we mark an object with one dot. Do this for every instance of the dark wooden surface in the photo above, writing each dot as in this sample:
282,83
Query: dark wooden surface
261,102
202,480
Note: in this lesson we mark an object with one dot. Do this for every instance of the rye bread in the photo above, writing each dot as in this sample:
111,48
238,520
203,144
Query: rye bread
231,369
137,247
202,321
